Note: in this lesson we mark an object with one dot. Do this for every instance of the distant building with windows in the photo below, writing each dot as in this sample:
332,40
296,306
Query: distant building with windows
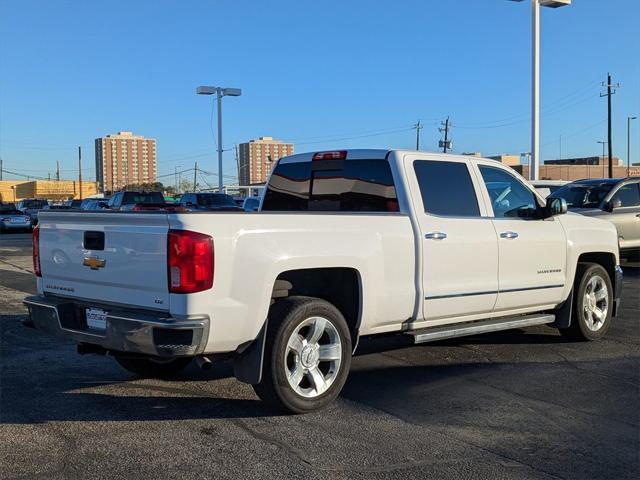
600,160
124,159
257,157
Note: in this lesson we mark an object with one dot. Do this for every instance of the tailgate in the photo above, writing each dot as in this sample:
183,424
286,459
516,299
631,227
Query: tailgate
107,257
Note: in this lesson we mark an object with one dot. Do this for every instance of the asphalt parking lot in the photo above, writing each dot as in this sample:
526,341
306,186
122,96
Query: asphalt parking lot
519,404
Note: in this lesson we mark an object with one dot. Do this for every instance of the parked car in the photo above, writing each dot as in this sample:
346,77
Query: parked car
140,202
31,207
12,220
547,187
74,204
192,202
613,199
92,204
56,206
251,204
355,243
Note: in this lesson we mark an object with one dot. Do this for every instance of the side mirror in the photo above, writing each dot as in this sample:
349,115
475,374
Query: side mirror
556,206
613,204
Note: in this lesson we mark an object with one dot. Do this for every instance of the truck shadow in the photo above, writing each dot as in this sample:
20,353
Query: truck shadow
60,386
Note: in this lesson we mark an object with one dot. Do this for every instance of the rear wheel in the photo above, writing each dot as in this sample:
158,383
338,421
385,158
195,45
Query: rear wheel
307,355
593,303
154,367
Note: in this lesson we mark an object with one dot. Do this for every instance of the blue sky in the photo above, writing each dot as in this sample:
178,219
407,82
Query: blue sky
322,74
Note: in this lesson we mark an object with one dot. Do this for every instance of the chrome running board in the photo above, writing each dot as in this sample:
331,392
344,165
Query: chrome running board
433,334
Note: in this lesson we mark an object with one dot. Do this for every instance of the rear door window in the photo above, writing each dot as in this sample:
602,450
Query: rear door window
332,186
446,188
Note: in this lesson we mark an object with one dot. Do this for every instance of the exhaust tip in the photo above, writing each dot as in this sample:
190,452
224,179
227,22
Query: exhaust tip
204,363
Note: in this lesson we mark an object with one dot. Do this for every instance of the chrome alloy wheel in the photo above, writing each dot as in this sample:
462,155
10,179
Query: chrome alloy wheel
313,356
595,304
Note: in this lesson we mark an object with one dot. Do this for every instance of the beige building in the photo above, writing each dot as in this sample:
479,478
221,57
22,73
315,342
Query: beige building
257,157
124,159
16,190
507,159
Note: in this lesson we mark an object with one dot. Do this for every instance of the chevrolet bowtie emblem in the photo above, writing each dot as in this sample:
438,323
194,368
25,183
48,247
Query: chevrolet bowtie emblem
93,263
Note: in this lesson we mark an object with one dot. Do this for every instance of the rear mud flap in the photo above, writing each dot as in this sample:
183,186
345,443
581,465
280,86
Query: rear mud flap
247,365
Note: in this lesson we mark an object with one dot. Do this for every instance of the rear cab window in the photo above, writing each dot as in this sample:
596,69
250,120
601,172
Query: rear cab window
359,185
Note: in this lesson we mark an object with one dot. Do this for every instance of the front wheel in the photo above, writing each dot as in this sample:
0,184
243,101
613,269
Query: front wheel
593,303
307,355
152,367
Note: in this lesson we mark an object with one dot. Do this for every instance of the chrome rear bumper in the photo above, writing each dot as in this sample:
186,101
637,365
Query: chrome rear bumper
143,332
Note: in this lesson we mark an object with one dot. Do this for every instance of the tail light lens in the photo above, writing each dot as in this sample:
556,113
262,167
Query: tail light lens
190,261
36,251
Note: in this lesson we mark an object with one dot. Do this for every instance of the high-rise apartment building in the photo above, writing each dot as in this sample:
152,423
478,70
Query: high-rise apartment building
257,157
125,159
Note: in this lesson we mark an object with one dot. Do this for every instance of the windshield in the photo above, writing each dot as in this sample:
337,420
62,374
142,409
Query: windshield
583,196
215,200
145,198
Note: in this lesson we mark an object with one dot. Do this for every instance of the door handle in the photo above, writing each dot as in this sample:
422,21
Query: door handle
509,235
435,235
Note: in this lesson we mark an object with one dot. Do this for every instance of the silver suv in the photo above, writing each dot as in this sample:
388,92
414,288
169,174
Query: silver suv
613,199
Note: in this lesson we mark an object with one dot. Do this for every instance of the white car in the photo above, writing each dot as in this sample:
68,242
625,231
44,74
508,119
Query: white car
547,187
349,243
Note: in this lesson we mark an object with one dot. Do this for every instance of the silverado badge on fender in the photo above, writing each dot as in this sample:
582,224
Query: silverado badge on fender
93,262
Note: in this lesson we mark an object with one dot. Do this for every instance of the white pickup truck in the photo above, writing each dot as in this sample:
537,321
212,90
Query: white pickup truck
346,243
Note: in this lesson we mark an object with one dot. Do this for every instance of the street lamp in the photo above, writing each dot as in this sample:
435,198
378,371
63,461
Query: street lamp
534,163
604,144
629,143
219,92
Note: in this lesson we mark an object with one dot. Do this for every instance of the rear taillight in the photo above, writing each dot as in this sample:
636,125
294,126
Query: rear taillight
190,261
36,251
334,155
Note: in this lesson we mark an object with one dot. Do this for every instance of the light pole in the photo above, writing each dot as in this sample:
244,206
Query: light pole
219,92
629,143
604,145
534,161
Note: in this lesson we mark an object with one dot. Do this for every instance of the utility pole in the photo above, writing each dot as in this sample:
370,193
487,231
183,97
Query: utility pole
560,147
446,144
80,170
628,144
57,170
0,169
235,147
195,176
418,127
175,177
610,91
220,179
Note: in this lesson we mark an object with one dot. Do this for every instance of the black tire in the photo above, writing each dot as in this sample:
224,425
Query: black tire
152,368
579,328
286,317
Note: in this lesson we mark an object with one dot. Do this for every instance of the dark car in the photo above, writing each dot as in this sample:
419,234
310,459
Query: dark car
614,199
74,204
31,207
251,204
140,202
209,202
62,206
